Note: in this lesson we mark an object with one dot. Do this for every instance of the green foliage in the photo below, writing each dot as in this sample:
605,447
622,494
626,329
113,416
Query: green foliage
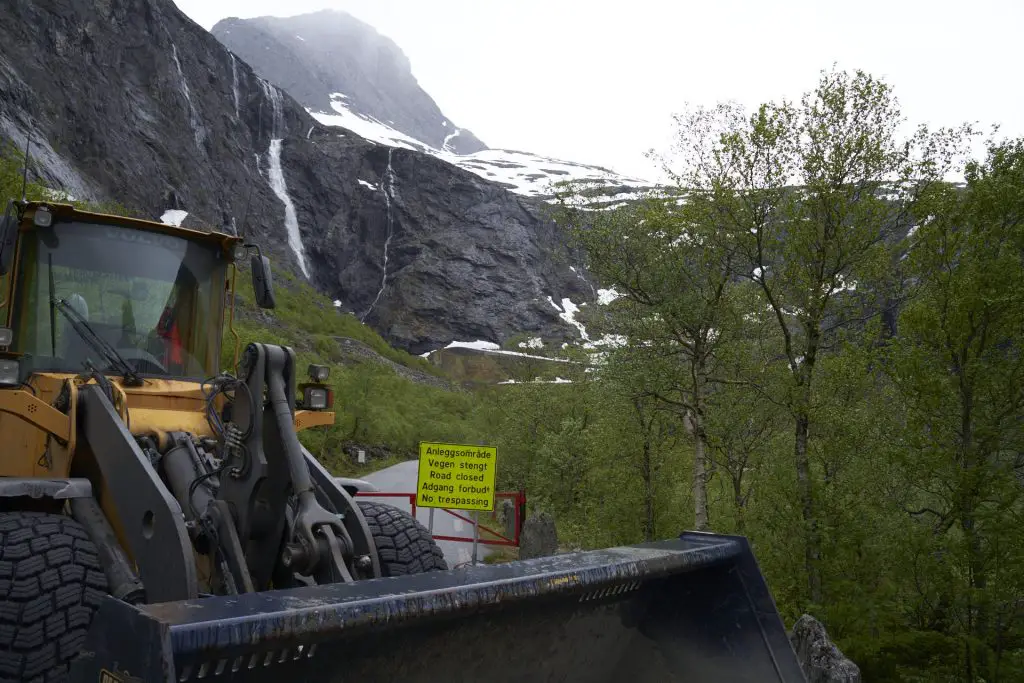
581,452
675,274
13,181
307,317
374,405
958,370
12,165
862,395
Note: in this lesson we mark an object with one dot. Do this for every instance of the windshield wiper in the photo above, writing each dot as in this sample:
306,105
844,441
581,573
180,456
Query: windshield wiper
98,343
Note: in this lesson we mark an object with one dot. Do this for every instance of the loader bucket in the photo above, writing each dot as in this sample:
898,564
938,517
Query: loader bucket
695,609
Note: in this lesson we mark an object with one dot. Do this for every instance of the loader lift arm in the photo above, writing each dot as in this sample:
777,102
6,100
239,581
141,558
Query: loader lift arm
269,470
155,531
268,516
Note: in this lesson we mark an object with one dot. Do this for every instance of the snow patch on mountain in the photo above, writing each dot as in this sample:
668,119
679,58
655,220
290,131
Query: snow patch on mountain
567,312
557,380
365,126
448,138
522,172
606,296
491,347
478,345
610,340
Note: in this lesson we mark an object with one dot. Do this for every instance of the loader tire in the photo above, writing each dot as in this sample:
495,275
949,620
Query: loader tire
51,584
404,546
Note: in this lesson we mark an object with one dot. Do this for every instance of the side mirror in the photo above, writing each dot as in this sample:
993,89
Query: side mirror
262,281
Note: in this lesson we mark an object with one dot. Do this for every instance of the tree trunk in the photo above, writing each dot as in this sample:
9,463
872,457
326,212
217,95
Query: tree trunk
812,542
978,664
805,486
700,475
646,469
977,613
648,492
739,501
700,447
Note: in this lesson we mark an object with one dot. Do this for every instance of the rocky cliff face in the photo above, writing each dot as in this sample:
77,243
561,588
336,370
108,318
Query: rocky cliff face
313,56
424,252
131,100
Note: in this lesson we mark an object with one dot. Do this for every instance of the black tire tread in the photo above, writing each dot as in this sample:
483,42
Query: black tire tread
404,546
51,583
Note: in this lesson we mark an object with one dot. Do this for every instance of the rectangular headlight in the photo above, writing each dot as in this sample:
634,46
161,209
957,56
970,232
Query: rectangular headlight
10,373
6,336
316,398
319,373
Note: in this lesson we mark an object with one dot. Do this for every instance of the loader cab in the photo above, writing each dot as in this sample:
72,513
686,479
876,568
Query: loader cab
156,294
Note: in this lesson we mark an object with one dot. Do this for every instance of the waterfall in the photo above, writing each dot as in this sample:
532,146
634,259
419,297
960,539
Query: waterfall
277,130
275,175
389,195
234,81
193,115
291,222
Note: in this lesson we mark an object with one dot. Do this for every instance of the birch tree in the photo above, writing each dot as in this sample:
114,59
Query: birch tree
812,196
674,277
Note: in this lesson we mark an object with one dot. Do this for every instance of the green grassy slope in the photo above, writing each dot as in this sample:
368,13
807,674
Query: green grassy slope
377,407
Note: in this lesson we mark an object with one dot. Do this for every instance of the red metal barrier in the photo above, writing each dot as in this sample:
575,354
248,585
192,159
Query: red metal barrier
519,504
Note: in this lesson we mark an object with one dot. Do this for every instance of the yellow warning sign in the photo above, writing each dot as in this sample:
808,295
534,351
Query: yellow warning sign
455,476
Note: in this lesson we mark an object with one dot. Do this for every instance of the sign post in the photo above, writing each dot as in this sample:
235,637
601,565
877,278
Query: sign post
456,476
476,532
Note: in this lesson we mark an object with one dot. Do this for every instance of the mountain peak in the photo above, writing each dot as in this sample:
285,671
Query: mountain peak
314,56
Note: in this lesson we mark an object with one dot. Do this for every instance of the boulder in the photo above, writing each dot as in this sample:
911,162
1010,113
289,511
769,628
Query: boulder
820,659
539,539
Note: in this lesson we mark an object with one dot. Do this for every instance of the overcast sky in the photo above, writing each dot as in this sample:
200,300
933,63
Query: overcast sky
567,79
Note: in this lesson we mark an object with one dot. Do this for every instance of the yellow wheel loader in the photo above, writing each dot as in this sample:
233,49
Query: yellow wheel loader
160,520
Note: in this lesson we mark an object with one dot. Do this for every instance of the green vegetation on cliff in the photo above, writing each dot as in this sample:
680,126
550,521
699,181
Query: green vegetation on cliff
375,405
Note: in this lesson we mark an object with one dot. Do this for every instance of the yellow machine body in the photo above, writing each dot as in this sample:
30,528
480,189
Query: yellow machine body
40,441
